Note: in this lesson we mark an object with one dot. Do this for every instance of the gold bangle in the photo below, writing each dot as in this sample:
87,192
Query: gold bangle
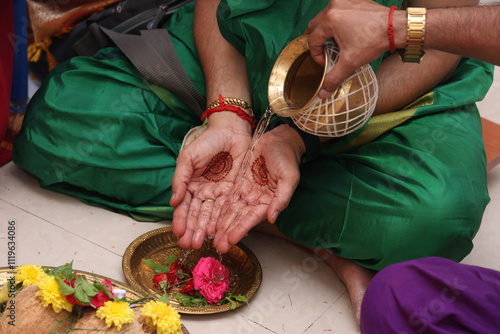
413,51
235,102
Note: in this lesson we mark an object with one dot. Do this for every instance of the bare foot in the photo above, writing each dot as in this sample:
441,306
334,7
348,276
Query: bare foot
354,277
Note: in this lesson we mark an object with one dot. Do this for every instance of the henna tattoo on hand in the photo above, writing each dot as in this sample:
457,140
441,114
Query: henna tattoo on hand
259,171
218,168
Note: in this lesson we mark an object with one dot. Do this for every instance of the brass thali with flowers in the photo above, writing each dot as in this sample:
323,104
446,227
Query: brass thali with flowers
245,272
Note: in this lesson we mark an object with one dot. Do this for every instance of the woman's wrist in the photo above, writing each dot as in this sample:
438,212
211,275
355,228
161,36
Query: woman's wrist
235,105
229,120
232,101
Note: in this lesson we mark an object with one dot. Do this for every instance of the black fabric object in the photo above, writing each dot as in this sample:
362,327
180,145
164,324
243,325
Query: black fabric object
127,17
154,56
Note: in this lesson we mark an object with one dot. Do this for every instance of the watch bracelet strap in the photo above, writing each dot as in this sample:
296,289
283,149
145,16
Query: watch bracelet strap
311,142
413,51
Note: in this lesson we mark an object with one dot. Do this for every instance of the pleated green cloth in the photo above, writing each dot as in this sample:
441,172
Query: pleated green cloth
409,184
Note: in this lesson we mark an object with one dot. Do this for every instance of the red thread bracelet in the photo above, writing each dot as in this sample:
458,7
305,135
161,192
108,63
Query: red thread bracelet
390,30
239,111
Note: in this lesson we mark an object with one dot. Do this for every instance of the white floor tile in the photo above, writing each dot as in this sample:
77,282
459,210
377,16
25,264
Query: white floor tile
112,231
38,241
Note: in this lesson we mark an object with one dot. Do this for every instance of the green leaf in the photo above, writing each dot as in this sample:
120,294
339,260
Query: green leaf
157,268
234,298
240,298
81,297
84,290
164,298
64,288
103,288
64,272
189,301
170,259
86,286
233,303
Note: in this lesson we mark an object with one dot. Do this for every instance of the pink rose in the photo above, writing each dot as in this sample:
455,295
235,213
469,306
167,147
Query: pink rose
212,279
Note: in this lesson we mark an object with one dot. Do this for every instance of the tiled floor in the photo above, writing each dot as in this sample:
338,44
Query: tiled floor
299,294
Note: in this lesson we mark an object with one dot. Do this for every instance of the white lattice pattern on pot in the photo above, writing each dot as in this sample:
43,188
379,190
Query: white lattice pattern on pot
347,109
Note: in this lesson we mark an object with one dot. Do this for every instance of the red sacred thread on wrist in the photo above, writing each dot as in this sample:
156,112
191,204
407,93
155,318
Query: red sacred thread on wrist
224,107
390,30
221,101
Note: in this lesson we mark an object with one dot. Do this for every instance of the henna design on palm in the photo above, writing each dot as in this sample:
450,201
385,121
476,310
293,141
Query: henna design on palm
218,168
259,171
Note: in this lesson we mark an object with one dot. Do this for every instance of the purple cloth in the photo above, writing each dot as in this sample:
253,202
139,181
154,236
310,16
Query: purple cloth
432,295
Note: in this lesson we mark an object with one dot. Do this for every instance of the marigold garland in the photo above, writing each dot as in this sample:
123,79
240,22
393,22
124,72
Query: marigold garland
54,290
29,274
115,313
49,295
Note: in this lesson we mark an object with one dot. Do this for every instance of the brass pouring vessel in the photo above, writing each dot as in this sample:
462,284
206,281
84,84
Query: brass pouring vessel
295,78
295,82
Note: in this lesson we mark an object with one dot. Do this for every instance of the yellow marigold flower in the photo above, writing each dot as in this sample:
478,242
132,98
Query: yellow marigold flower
163,317
50,295
29,274
115,313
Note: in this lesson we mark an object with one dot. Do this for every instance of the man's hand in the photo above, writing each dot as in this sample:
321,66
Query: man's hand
358,27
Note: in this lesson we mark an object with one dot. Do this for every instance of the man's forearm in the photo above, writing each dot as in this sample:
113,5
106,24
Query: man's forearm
401,83
468,31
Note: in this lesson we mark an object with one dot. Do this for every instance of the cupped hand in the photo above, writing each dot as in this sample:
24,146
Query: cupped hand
205,173
358,27
265,189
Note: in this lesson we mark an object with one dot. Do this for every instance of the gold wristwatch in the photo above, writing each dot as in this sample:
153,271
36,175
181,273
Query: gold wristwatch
413,51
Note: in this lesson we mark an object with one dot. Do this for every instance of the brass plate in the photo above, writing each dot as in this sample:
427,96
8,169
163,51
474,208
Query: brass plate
6,273
245,270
